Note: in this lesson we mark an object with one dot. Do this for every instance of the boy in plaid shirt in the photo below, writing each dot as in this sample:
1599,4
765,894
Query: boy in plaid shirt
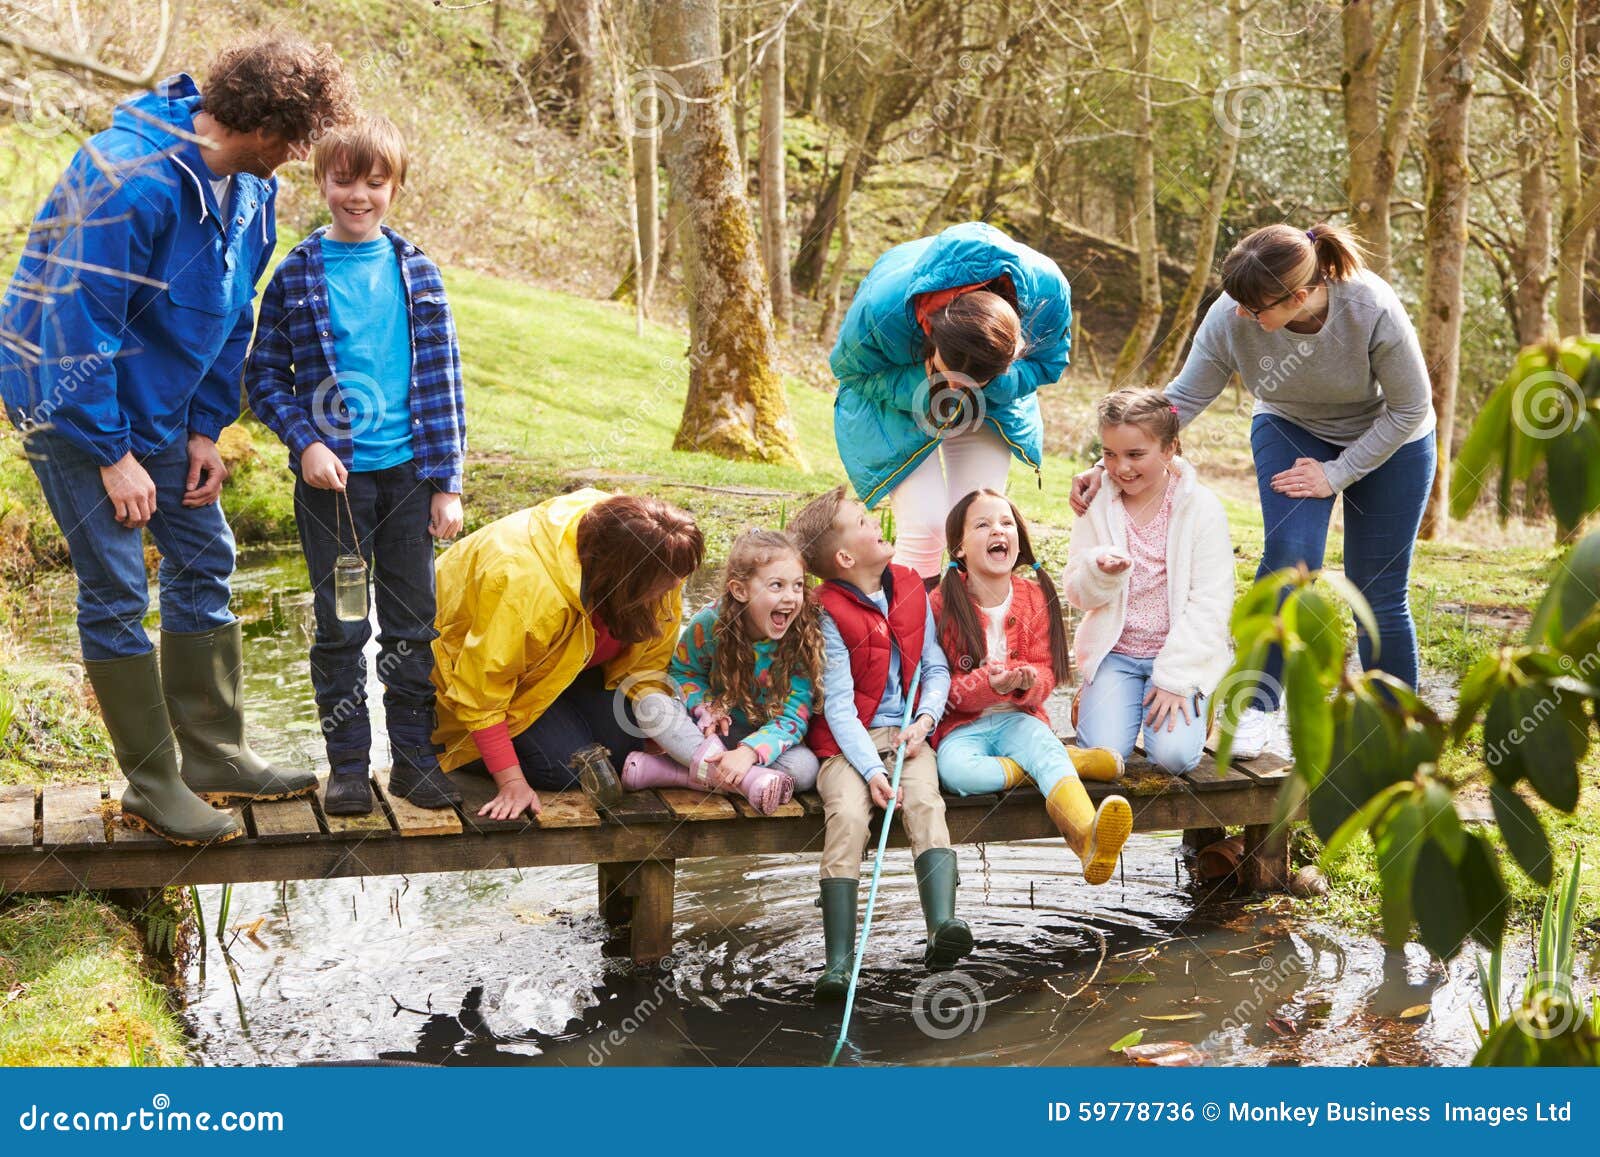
356,369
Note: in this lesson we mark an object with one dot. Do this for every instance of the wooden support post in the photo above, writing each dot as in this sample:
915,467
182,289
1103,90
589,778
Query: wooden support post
1266,858
652,911
1196,838
617,891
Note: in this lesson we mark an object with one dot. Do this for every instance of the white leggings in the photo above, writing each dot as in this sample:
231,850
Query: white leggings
957,466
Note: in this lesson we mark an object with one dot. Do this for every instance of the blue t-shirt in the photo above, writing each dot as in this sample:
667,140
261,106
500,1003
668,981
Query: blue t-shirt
371,347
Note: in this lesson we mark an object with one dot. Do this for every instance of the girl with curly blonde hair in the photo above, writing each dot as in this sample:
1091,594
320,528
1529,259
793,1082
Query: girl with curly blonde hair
747,667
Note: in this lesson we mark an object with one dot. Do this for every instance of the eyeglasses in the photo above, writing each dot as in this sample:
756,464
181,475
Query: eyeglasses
1256,313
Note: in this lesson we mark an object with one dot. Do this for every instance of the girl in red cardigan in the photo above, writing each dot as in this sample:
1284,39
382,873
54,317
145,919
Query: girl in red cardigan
1002,633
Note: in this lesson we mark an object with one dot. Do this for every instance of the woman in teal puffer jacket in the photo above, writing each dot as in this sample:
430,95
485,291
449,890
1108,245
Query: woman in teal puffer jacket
939,359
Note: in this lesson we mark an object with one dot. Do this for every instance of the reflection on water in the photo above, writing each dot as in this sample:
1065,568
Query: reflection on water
512,967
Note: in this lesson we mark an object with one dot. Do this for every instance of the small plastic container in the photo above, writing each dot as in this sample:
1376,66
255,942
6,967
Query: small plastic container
350,588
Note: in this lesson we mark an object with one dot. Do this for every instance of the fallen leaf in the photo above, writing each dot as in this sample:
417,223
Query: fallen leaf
1131,978
1174,1016
1132,1038
1169,1054
1416,1011
1282,1026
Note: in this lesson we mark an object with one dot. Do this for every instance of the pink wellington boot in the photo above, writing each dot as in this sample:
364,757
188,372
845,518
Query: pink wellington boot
766,788
644,769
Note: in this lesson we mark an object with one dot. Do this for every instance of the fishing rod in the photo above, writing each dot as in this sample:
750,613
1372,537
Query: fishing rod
877,863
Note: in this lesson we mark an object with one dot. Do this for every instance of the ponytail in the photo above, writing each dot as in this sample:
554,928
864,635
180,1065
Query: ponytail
1272,262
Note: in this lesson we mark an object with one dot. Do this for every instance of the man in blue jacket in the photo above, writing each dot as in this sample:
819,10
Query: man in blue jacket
123,337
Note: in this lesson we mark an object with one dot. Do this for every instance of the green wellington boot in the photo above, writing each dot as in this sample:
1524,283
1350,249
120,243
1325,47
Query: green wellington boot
129,691
949,939
838,904
204,678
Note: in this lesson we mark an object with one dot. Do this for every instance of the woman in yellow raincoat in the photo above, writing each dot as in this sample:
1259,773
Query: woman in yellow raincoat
551,621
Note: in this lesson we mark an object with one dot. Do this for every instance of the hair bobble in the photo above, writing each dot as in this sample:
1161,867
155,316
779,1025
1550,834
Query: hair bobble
952,565
1037,567
1174,409
1311,236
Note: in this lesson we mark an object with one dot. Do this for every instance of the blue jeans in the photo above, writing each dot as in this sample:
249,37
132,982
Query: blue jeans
390,509
584,713
1111,713
196,548
968,756
1382,513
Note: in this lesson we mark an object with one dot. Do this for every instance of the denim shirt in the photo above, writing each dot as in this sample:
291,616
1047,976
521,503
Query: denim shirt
839,691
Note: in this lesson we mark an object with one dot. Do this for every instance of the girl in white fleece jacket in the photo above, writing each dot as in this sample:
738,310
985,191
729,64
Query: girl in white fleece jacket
1151,566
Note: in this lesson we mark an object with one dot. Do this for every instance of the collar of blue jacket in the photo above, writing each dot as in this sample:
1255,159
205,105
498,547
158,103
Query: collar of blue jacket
127,322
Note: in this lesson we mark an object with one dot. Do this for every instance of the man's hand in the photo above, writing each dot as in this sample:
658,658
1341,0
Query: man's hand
444,515
1085,486
206,472
130,490
878,788
320,467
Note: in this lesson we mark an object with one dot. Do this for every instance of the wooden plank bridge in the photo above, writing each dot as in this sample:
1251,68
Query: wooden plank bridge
67,838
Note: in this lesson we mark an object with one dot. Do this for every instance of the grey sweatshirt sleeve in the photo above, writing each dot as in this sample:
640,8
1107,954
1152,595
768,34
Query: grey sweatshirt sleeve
1208,367
1397,363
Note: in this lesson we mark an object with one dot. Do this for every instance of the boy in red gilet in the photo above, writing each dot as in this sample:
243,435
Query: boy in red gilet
877,628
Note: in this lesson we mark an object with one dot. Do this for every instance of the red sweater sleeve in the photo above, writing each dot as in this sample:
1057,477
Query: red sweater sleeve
494,745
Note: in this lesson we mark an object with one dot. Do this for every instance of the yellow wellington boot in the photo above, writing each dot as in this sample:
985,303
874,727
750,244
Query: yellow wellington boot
1100,764
1097,836
1014,772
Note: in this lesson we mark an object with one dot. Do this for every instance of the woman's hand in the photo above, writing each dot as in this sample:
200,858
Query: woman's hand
513,798
728,768
1165,706
1085,486
1305,479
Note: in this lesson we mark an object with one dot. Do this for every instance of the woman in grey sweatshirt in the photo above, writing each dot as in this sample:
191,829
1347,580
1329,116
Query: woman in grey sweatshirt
1342,406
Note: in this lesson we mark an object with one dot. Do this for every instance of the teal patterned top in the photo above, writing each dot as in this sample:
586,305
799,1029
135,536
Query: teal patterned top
691,667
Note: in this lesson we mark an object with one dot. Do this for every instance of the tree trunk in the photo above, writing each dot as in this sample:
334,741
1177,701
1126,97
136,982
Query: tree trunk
736,405
1129,369
569,61
1376,144
1205,246
774,186
1529,264
1580,190
970,151
1455,32
811,101
828,330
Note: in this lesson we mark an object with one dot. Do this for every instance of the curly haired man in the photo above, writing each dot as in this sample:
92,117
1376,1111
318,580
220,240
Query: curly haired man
122,344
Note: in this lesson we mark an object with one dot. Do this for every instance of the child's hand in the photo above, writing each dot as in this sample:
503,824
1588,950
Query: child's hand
444,515
1085,486
727,769
717,722
1113,563
1165,707
878,788
513,798
1018,678
914,736
320,467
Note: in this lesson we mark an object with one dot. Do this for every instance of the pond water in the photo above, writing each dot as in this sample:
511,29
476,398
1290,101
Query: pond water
510,967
